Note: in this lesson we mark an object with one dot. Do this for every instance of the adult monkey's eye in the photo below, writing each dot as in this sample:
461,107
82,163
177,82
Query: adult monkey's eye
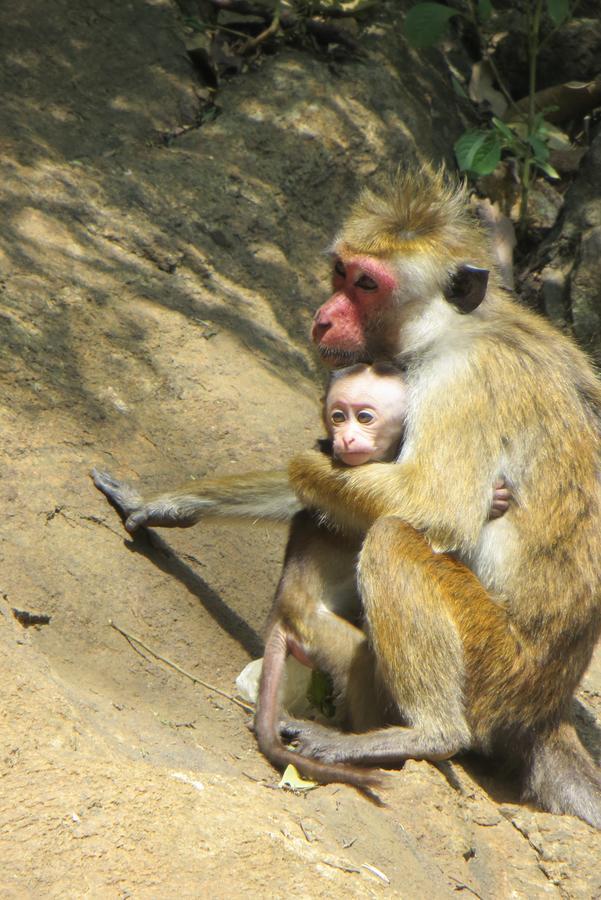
366,283
365,417
339,268
337,417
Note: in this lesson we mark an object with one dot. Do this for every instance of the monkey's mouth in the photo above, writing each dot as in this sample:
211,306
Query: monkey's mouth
333,356
354,457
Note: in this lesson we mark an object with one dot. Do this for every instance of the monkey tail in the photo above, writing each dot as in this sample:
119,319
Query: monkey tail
267,726
562,778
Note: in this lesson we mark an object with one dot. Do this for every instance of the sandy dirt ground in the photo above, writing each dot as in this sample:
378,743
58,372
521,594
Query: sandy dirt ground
158,271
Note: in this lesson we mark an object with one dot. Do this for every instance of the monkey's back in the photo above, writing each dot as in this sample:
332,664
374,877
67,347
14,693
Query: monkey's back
543,559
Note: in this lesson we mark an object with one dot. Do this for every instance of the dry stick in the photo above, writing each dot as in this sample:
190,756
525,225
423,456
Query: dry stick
323,31
271,30
210,687
462,886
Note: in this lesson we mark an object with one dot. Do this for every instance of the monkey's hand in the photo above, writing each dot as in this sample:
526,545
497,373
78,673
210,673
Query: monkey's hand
122,495
501,499
168,511
312,740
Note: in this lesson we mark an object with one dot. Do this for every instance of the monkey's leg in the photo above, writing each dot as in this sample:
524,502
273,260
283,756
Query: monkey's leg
318,605
267,723
315,600
411,600
260,495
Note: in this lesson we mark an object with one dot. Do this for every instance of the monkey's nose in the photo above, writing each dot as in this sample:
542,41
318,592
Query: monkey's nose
320,327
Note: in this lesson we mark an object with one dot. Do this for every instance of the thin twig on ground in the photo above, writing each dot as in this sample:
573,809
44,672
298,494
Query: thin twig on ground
209,687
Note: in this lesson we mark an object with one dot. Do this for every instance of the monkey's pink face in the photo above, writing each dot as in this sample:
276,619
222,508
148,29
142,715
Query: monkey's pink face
363,291
365,414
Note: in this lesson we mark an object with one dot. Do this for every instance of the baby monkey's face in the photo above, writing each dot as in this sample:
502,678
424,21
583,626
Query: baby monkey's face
364,415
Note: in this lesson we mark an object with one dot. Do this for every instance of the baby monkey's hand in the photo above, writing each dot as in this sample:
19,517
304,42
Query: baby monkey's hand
501,499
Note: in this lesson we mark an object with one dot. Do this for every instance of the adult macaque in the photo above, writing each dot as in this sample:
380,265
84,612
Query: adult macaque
488,660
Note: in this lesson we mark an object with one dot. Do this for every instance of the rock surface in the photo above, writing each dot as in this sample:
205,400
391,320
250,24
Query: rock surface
158,281
565,280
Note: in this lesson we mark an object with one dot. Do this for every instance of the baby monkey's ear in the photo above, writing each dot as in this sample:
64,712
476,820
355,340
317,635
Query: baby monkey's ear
467,288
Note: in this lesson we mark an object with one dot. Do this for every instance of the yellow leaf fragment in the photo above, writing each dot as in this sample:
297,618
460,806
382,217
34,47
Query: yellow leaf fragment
295,782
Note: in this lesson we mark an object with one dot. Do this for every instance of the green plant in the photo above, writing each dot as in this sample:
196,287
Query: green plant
320,693
526,136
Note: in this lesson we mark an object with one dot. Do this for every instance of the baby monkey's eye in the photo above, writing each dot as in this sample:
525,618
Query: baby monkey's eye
365,417
337,417
339,268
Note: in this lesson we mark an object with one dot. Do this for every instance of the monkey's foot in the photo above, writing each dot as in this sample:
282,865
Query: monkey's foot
124,497
315,741
387,748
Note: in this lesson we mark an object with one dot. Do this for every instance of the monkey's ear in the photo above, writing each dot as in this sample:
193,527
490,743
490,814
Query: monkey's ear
467,288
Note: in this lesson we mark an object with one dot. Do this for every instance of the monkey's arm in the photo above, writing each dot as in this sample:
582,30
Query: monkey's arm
261,495
354,498
443,482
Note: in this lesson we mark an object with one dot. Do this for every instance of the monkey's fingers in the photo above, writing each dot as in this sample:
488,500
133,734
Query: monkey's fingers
122,496
501,500
136,520
498,509
313,740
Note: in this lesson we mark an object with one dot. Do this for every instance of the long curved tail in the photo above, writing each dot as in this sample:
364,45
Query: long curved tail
267,725
562,778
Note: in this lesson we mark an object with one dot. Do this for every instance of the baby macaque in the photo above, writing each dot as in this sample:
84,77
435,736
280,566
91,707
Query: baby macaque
364,413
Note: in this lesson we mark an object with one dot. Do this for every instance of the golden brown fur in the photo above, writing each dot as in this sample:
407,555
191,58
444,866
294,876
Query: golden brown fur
416,211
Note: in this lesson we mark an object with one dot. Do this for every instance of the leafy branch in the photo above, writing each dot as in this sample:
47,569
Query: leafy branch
525,136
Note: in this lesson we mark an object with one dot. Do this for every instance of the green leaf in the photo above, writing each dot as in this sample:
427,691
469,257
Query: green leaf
541,151
320,693
426,23
485,10
459,89
558,10
537,122
507,133
478,151
547,168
